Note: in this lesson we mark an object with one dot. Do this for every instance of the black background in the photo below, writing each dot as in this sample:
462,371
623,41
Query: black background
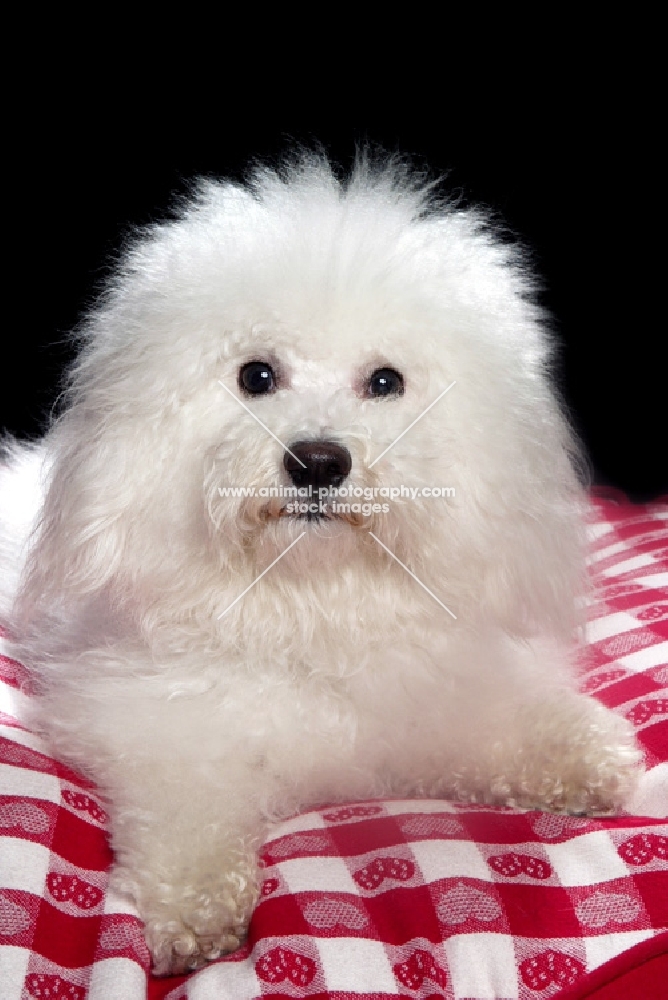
570,176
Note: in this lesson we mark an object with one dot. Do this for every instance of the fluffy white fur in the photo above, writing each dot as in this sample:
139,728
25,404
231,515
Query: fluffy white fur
337,676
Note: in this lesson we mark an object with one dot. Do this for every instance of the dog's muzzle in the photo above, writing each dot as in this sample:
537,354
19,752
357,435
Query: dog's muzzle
317,469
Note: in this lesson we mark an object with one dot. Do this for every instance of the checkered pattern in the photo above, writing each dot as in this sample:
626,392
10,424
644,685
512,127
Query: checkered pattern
425,900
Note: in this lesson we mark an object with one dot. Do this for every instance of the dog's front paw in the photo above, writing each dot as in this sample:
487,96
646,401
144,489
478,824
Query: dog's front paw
570,755
176,947
591,767
190,923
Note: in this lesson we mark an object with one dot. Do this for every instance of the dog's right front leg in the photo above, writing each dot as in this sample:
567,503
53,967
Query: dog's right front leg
190,868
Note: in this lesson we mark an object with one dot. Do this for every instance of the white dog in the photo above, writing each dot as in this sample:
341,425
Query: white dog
215,661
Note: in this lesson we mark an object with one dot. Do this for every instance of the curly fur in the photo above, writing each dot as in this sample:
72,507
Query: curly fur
336,675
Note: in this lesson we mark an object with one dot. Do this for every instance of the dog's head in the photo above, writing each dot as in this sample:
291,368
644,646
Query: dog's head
342,378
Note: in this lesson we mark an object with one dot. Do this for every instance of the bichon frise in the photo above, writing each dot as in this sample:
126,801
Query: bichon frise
310,532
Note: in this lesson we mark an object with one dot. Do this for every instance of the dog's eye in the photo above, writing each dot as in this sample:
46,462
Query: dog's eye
257,378
385,382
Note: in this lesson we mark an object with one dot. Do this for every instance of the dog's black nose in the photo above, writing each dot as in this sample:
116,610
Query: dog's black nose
325,463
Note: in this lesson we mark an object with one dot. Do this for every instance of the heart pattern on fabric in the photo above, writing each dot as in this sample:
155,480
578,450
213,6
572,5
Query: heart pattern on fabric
351,812
603,908
550,968
463,902
84,803
13,918
429,825
280,964
268,886
420,966
600,680
43,986
646,710
550,826
123,935
72,889
311,843
374,874
654,613
511,865
643,848
329,912
24,815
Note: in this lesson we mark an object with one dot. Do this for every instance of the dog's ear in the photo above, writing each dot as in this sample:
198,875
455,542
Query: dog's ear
534,578
112,513
511,539
82,534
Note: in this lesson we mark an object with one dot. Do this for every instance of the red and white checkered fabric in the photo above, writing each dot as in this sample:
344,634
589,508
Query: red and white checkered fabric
423,900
